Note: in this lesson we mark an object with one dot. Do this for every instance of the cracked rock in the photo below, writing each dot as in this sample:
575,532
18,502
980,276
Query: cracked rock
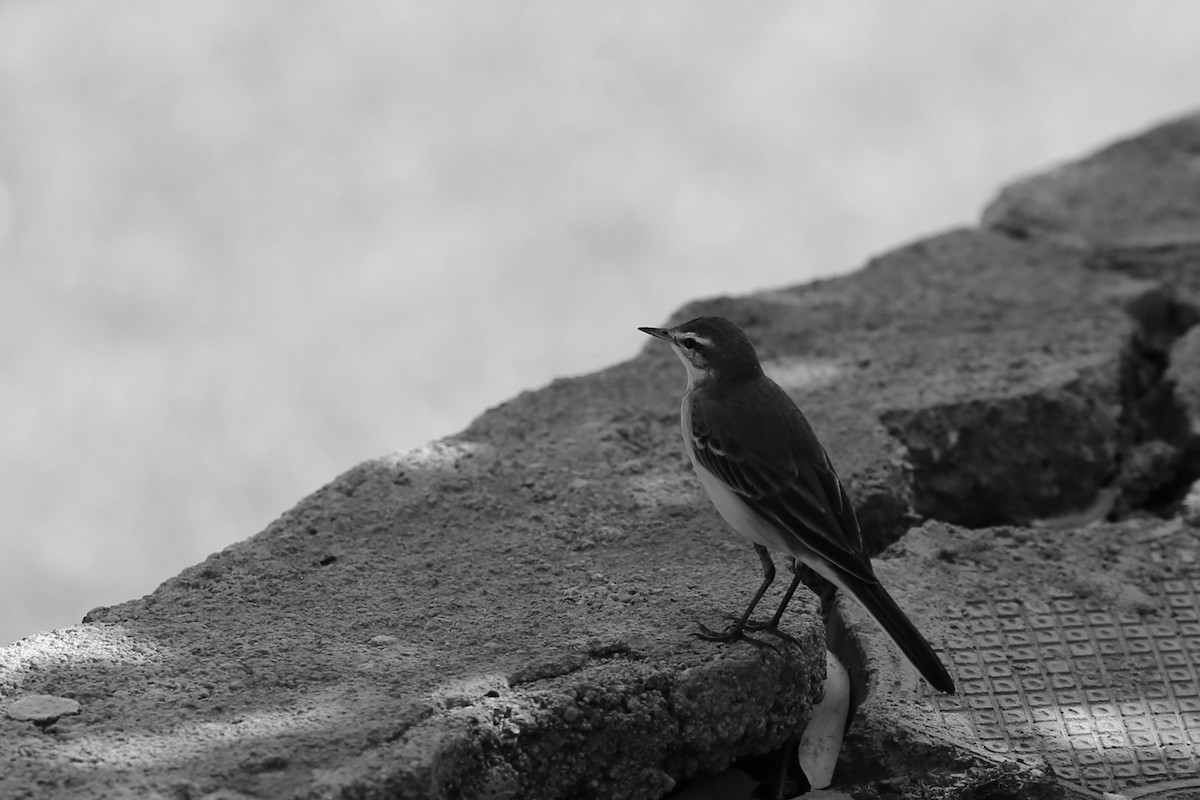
508,611
1184,374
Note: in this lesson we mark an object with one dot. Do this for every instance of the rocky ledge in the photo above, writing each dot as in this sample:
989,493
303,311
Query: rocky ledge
508,612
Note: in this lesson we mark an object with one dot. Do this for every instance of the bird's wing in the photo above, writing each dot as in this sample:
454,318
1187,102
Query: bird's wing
784,475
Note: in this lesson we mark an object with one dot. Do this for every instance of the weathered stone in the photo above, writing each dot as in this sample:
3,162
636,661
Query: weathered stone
1140,193
1190,510
1184,375
1135,206
508,611
970,377
524,659
42,709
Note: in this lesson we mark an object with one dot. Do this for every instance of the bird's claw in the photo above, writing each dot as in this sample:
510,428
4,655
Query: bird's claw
731,634
752,625
771,628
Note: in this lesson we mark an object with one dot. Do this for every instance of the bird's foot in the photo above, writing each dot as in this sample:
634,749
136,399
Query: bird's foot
759,627
771,628
733,633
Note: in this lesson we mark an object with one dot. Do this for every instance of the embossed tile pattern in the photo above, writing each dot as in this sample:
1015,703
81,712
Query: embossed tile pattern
1109,699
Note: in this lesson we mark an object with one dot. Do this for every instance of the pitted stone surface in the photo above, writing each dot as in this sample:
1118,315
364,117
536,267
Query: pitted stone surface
1138,194
41,709
508,611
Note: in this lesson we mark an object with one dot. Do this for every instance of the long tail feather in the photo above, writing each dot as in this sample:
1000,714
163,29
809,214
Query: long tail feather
875,599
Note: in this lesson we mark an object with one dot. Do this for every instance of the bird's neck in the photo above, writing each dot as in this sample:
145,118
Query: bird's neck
718,386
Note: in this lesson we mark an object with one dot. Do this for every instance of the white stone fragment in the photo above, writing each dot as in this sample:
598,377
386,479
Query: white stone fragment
822,739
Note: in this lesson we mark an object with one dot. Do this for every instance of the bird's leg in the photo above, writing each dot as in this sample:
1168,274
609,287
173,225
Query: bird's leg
734,631
787,598
800,574
819,586
773,626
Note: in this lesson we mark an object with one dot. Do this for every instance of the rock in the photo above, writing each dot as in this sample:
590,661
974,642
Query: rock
1138,194
1147,469
42,709
519,662
1133,206
1191,506
508,611
983,380
382,641
1184,374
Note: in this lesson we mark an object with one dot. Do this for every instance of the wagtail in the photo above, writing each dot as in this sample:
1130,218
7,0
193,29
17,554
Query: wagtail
761,465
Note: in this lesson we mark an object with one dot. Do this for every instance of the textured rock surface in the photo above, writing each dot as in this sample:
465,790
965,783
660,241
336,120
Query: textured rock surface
970,377
42,709
1136,194
507,612
461,619
1117,567
1132,209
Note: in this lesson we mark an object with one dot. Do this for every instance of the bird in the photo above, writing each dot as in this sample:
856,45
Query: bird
762,466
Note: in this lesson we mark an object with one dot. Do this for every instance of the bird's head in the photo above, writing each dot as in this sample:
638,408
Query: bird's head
711,348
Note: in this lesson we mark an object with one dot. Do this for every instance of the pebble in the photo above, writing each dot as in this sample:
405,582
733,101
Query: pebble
42,709
1191,506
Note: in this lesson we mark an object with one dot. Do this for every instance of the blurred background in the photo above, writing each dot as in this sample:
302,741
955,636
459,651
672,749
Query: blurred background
244,246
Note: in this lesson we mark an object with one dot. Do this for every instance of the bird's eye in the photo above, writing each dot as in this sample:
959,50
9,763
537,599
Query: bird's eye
688,342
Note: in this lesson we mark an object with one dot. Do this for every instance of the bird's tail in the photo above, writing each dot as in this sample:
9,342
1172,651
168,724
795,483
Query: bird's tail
875,599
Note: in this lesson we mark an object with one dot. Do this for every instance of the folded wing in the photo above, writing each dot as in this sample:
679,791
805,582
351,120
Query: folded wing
793,487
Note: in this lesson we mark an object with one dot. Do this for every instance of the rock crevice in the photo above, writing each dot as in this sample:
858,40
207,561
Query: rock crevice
508,611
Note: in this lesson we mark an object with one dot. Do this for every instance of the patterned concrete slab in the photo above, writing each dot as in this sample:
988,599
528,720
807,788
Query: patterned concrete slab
1073,651
1109,700
509,610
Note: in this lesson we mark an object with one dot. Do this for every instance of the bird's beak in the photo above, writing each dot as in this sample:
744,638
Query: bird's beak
658,333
